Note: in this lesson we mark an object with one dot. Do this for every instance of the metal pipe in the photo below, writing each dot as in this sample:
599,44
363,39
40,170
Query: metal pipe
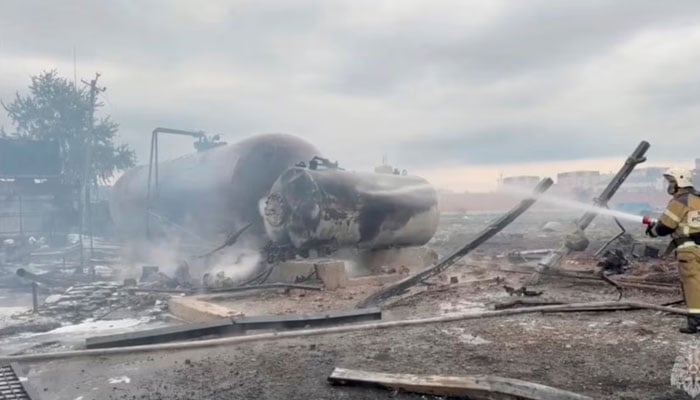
23,273
21,216
152,195
212,192
35,297
637,157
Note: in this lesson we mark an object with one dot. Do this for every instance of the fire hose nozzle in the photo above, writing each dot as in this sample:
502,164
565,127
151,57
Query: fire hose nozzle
648,221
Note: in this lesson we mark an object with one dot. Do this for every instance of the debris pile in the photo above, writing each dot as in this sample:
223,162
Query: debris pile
99,299
614,262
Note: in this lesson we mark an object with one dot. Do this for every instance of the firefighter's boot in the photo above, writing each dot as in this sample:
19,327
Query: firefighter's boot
693,325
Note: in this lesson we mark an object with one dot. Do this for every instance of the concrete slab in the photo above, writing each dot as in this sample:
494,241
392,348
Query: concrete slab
198,309
332,273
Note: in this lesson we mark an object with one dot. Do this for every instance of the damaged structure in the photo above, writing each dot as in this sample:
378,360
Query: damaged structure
280,195
332,209
311,223
210,193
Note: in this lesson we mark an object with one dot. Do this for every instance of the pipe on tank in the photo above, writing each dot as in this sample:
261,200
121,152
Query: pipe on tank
208,193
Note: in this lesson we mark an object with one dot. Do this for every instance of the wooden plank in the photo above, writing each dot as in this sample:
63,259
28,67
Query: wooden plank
291,321
474,387
163,335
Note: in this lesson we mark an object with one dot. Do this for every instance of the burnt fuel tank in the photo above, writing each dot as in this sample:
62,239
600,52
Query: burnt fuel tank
210,192
336,208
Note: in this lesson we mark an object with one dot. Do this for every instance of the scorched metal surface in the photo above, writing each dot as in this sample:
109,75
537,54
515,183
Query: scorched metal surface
337,208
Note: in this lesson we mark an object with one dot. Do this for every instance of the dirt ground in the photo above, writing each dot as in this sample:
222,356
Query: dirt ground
605,355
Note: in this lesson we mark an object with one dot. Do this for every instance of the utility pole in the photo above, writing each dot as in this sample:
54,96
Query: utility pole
88,172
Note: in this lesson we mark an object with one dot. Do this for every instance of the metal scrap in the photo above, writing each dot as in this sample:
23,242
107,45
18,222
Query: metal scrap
522,291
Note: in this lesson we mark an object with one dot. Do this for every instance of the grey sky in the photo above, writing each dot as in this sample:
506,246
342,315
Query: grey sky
430,83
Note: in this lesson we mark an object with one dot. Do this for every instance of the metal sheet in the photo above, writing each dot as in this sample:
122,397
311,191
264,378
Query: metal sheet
10,386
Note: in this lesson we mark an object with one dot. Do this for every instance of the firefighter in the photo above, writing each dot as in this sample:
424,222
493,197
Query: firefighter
681,220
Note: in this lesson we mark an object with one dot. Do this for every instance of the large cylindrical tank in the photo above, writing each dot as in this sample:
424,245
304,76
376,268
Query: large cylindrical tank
208,193
337,208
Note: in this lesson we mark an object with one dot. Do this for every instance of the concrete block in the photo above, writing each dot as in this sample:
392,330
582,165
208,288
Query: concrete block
332,273
287,272
197,309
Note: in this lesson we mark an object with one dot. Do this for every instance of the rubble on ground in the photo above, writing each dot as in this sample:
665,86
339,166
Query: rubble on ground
99,299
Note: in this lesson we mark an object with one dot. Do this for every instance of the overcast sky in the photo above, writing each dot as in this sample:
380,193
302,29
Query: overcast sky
458,91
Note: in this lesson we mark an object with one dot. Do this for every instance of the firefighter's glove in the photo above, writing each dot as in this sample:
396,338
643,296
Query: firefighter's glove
651,229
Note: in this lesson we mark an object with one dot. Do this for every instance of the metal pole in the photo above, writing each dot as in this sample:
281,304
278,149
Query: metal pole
81,207
88,173
156,170
89,211
152,188
148,188
21,216
35,297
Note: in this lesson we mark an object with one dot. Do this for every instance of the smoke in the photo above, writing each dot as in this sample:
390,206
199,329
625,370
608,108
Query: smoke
354,264
238,262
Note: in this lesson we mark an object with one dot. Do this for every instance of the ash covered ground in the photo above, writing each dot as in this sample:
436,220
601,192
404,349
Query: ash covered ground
606,355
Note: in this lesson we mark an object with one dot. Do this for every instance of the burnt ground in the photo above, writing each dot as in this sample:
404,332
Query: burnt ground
605,355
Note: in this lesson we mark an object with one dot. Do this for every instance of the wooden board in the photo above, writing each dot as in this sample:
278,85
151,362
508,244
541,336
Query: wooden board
475,387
